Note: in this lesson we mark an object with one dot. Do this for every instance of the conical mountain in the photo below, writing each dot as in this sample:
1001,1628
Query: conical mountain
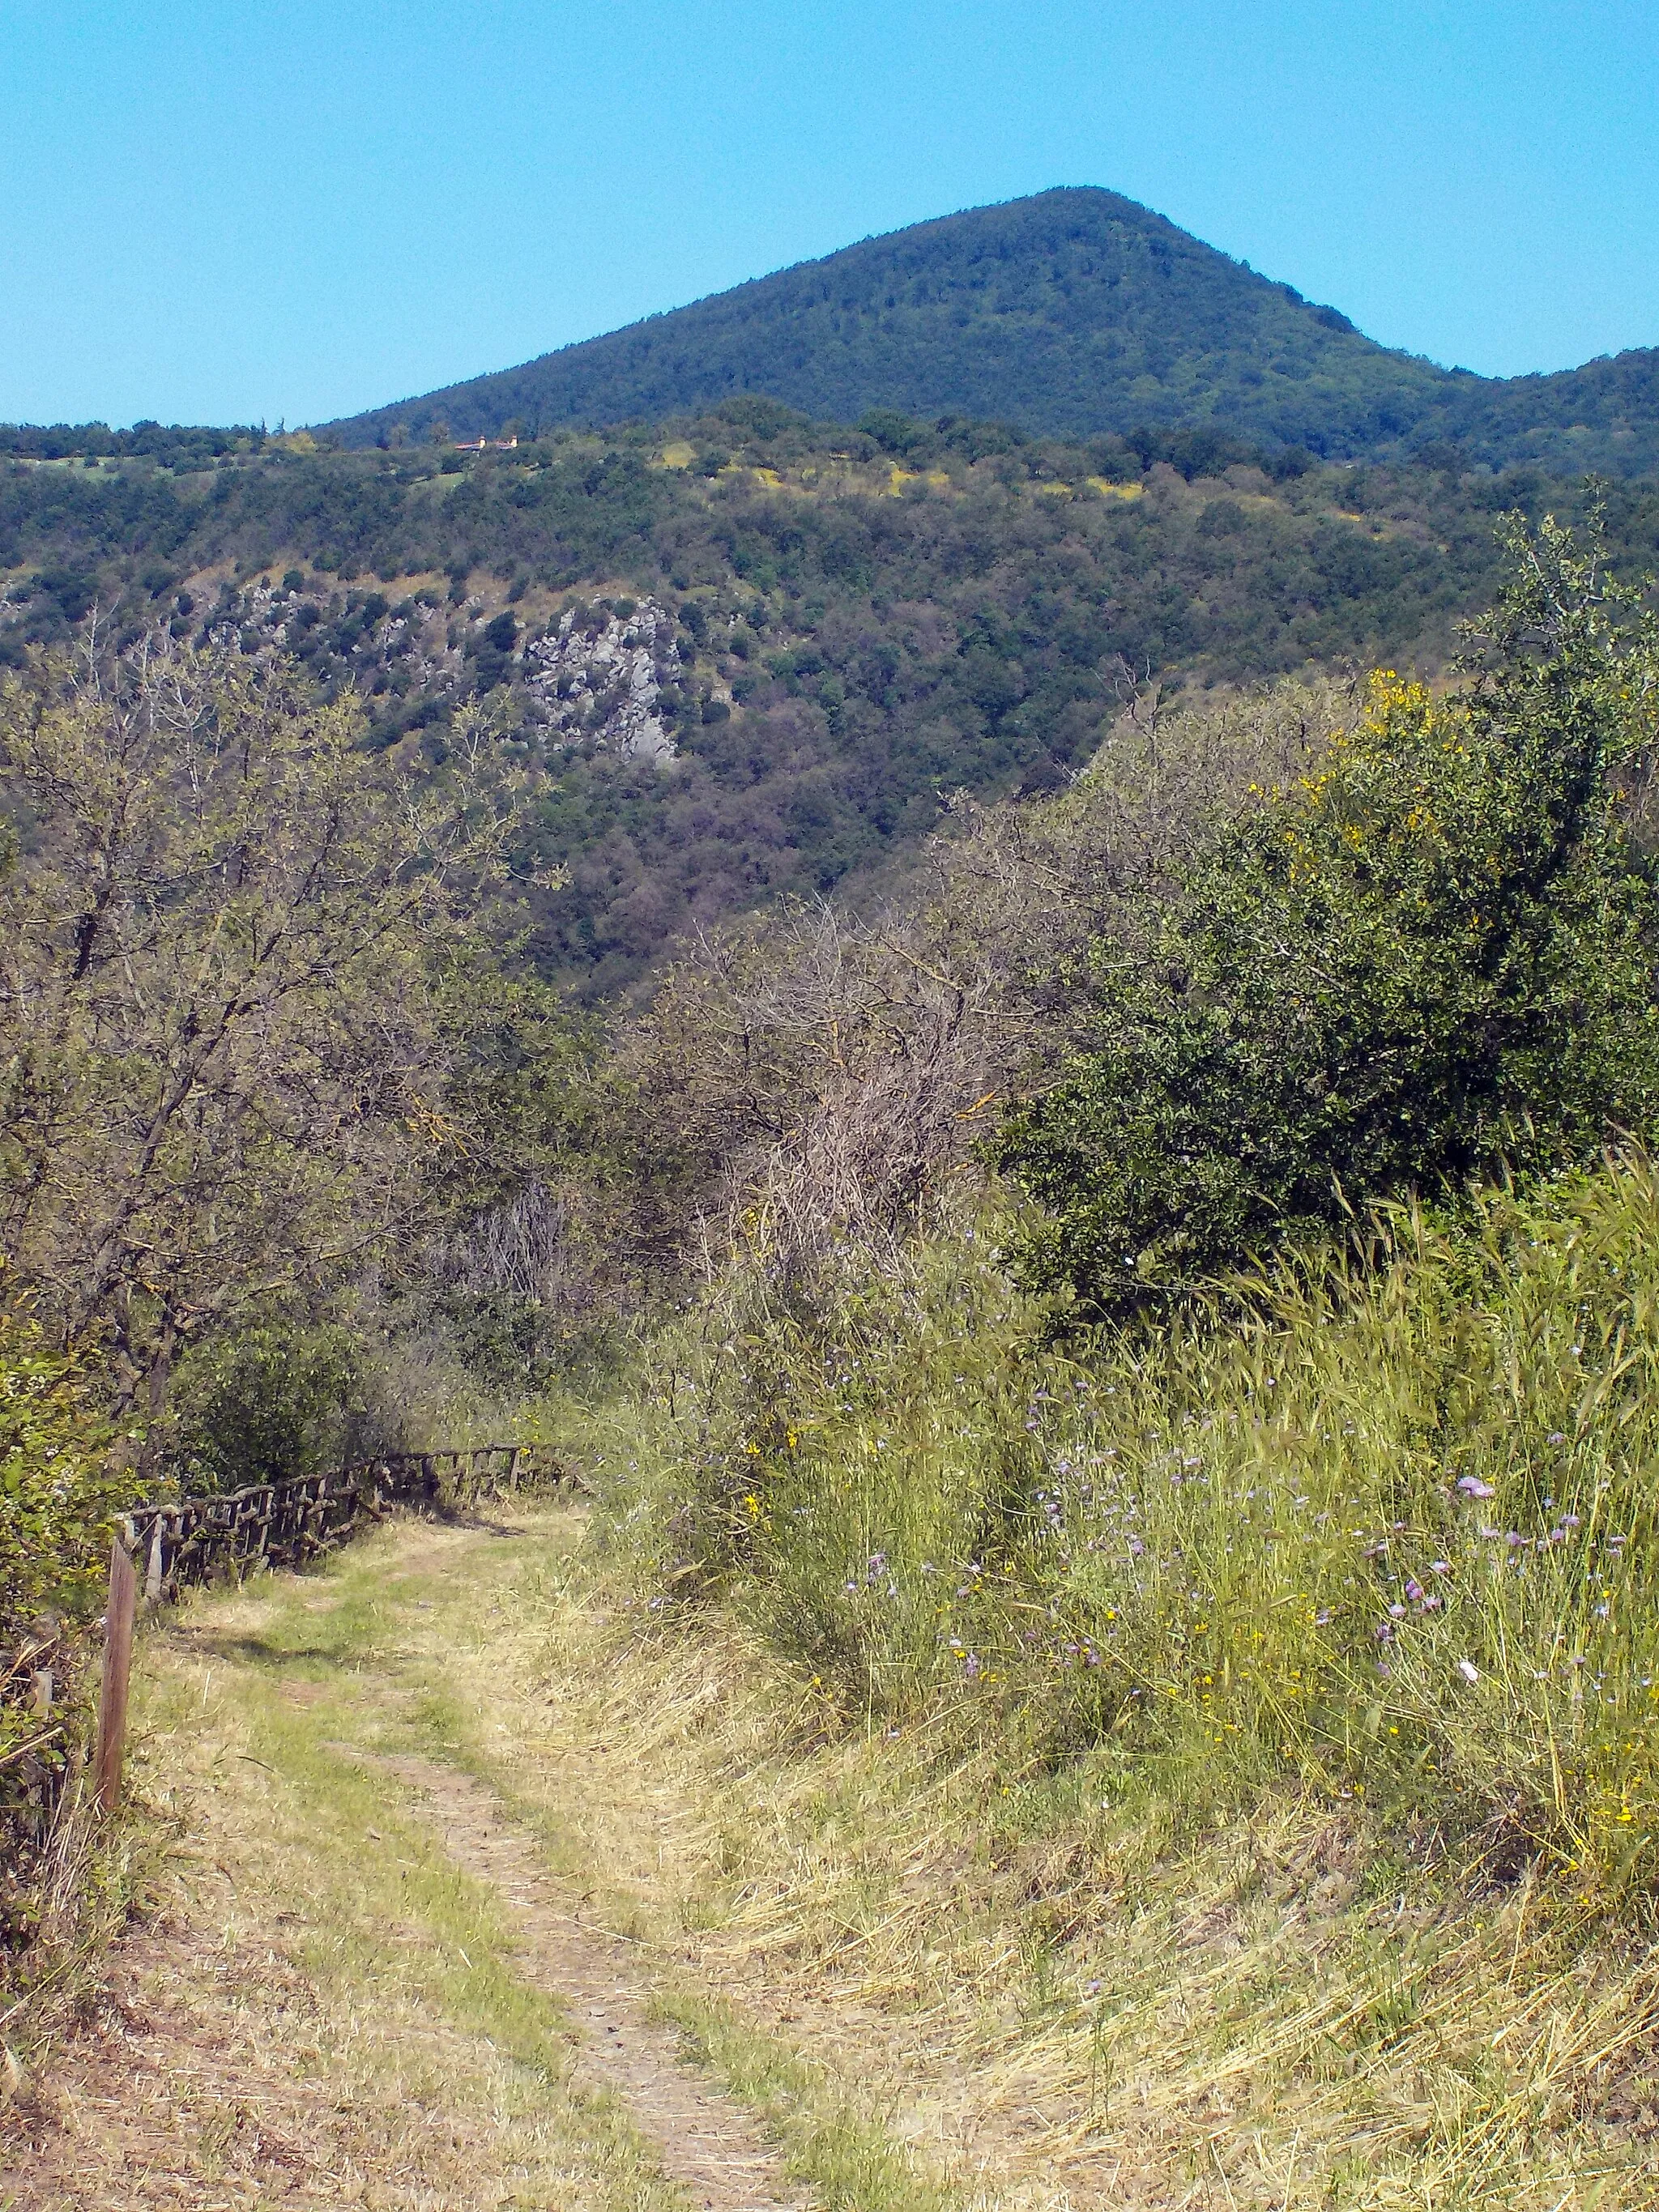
1076,312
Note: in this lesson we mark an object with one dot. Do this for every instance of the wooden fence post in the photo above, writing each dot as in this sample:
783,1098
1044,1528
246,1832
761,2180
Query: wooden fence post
117,1668
156,1567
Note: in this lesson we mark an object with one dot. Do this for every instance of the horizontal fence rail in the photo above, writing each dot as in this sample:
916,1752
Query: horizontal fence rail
159,1549
284,1524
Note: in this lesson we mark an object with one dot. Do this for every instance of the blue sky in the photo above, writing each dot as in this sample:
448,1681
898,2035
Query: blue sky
294,211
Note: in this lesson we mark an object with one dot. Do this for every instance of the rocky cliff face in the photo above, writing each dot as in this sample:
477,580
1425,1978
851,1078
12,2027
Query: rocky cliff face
592,681
603,688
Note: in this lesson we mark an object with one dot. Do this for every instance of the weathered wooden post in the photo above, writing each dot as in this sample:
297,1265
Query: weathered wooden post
155,1570
117,1670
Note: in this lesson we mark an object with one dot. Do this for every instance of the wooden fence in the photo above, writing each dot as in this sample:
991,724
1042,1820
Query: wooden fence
284,1524
163,1547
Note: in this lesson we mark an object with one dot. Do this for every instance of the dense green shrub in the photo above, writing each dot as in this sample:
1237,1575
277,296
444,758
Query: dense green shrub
59,1484
1428,961
259,1404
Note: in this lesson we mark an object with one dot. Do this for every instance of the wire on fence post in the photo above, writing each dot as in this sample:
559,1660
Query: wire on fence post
117,1670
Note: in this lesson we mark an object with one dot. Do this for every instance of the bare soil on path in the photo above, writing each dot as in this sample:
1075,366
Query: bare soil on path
356,1979
703,2140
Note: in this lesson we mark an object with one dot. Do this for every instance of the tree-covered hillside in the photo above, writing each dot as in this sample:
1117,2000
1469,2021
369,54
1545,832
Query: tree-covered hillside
738,655
1075,313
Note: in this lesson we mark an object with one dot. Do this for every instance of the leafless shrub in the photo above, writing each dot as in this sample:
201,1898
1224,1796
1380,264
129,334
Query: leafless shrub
533,1246
813,1077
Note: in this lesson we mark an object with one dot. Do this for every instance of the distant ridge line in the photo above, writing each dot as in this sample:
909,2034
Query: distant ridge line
1073,313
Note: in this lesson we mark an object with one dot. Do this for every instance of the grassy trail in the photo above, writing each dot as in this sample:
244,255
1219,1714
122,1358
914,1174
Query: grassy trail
487,1892
378,1970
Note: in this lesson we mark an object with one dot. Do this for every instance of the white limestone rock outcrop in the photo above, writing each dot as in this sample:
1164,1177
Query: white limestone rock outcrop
602,689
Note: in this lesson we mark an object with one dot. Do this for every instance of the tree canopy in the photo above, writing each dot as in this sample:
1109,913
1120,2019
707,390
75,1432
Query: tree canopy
247,1018
1426,962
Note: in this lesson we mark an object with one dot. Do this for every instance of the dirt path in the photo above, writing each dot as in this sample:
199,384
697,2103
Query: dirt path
495,1892
356,1980
702,2140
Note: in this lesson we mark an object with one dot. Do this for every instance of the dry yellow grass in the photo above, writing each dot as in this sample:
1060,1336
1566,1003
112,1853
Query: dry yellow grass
1055,2013
214,2071
319,2006
937,1992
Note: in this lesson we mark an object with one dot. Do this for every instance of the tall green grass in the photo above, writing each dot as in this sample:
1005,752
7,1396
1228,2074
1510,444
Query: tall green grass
1379,1525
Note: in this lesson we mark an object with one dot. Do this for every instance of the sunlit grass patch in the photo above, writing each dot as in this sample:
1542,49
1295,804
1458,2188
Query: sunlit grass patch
1256,1719
853,2164
1028,1975
263,1703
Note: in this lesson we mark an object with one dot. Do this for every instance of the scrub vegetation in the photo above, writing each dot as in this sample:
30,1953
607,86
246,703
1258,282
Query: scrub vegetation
830,630
1201,1498
1115,1371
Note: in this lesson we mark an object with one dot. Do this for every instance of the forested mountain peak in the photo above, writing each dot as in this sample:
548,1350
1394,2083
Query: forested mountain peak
1074,312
